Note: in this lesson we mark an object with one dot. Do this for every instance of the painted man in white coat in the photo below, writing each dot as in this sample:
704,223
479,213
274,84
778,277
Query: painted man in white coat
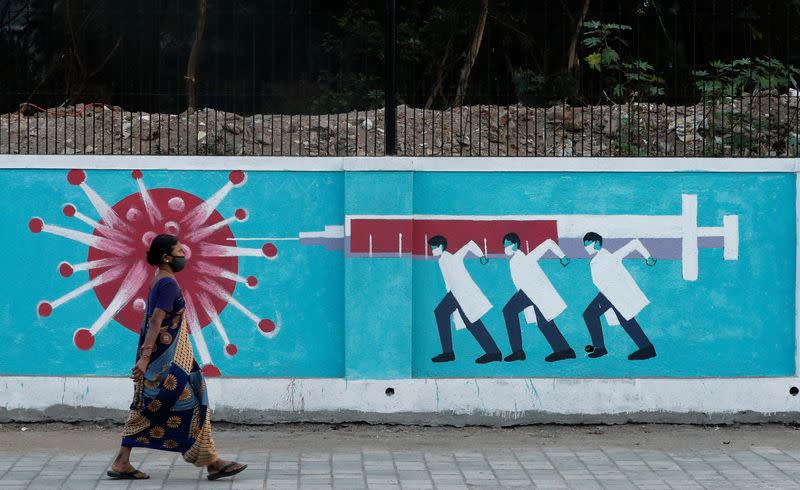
536,297
464,301
619,297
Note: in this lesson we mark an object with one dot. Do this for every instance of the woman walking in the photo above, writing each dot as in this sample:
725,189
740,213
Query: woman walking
170,404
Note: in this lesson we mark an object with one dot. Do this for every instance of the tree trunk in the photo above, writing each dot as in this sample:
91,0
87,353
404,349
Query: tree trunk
472,54
437,86
191,68
572,61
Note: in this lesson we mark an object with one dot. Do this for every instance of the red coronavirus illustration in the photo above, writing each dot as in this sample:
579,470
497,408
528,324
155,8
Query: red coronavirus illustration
120,276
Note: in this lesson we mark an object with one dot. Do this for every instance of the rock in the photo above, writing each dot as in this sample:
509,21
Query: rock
573,120
88,149
201,135
367,124
126,130
611,127
149,135
232,128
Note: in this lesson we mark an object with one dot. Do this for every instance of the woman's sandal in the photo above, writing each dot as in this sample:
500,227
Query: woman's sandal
127,475
225,471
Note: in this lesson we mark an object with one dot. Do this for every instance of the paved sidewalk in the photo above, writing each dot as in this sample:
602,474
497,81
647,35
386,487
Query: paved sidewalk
650,457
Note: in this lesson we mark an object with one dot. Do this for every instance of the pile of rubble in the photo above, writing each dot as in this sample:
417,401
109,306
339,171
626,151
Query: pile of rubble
751,125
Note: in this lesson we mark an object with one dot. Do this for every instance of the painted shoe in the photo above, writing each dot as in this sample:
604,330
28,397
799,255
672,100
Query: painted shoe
560,355
445,357
517,355
647,352
487,358
597,352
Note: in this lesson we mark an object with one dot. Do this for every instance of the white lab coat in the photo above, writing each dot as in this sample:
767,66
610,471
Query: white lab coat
528,276
458,281
616,283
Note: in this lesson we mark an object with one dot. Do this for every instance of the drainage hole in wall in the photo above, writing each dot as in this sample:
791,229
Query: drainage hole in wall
390,391
794,391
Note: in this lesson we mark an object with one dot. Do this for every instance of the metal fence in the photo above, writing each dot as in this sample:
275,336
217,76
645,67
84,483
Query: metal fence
460,77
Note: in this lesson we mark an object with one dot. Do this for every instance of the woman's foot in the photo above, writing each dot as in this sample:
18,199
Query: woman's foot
126,471
221,469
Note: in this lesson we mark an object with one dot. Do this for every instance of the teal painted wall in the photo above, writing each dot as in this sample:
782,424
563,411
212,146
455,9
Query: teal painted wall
359,317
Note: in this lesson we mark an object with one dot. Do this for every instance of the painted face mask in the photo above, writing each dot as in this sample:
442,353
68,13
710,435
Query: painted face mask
436,251
178,263
589,246
509,250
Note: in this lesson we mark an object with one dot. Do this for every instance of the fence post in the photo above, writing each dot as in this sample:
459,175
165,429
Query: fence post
389,83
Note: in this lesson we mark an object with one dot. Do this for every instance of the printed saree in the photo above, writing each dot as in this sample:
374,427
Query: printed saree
170,405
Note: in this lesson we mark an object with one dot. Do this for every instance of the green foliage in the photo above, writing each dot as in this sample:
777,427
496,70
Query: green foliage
639,79
744,75
626,79
603,40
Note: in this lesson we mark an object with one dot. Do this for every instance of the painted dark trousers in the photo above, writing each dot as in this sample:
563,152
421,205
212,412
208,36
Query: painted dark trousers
446,308
517,305
596,309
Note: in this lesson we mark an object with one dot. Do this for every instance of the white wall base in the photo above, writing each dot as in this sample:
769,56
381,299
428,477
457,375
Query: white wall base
427,401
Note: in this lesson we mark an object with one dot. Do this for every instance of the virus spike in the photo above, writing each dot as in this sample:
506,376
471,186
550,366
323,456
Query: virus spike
149,205
213,271
200,233
108,215
37,225
199,341
268,250
127,290
66,269
217,291
230,349
268,328
45,308
71,211
201,213
83,339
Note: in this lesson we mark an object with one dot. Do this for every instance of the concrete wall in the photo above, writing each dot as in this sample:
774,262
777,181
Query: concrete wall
315,290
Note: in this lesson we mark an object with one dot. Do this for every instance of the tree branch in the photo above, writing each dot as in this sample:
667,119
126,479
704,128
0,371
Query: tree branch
472,54
572,61
191,67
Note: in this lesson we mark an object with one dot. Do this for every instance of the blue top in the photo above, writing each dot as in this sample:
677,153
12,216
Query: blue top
166,295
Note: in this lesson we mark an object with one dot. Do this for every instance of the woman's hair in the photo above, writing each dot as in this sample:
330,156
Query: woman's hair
162,244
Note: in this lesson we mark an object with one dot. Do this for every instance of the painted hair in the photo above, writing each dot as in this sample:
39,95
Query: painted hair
512,237
437,241
593,237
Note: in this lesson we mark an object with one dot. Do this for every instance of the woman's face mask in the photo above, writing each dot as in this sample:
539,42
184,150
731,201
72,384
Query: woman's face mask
509,250
436,251
177,263
589,246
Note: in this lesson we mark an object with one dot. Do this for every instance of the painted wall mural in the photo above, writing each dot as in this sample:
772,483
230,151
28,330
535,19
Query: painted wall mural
451,239
401,274
119,273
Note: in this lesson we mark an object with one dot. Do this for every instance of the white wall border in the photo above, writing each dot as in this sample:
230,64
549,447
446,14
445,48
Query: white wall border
461,401
426,164
431,401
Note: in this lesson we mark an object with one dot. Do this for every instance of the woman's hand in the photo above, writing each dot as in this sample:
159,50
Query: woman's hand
137,373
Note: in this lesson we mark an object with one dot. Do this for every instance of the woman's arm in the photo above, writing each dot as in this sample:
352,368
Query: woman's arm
153,329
